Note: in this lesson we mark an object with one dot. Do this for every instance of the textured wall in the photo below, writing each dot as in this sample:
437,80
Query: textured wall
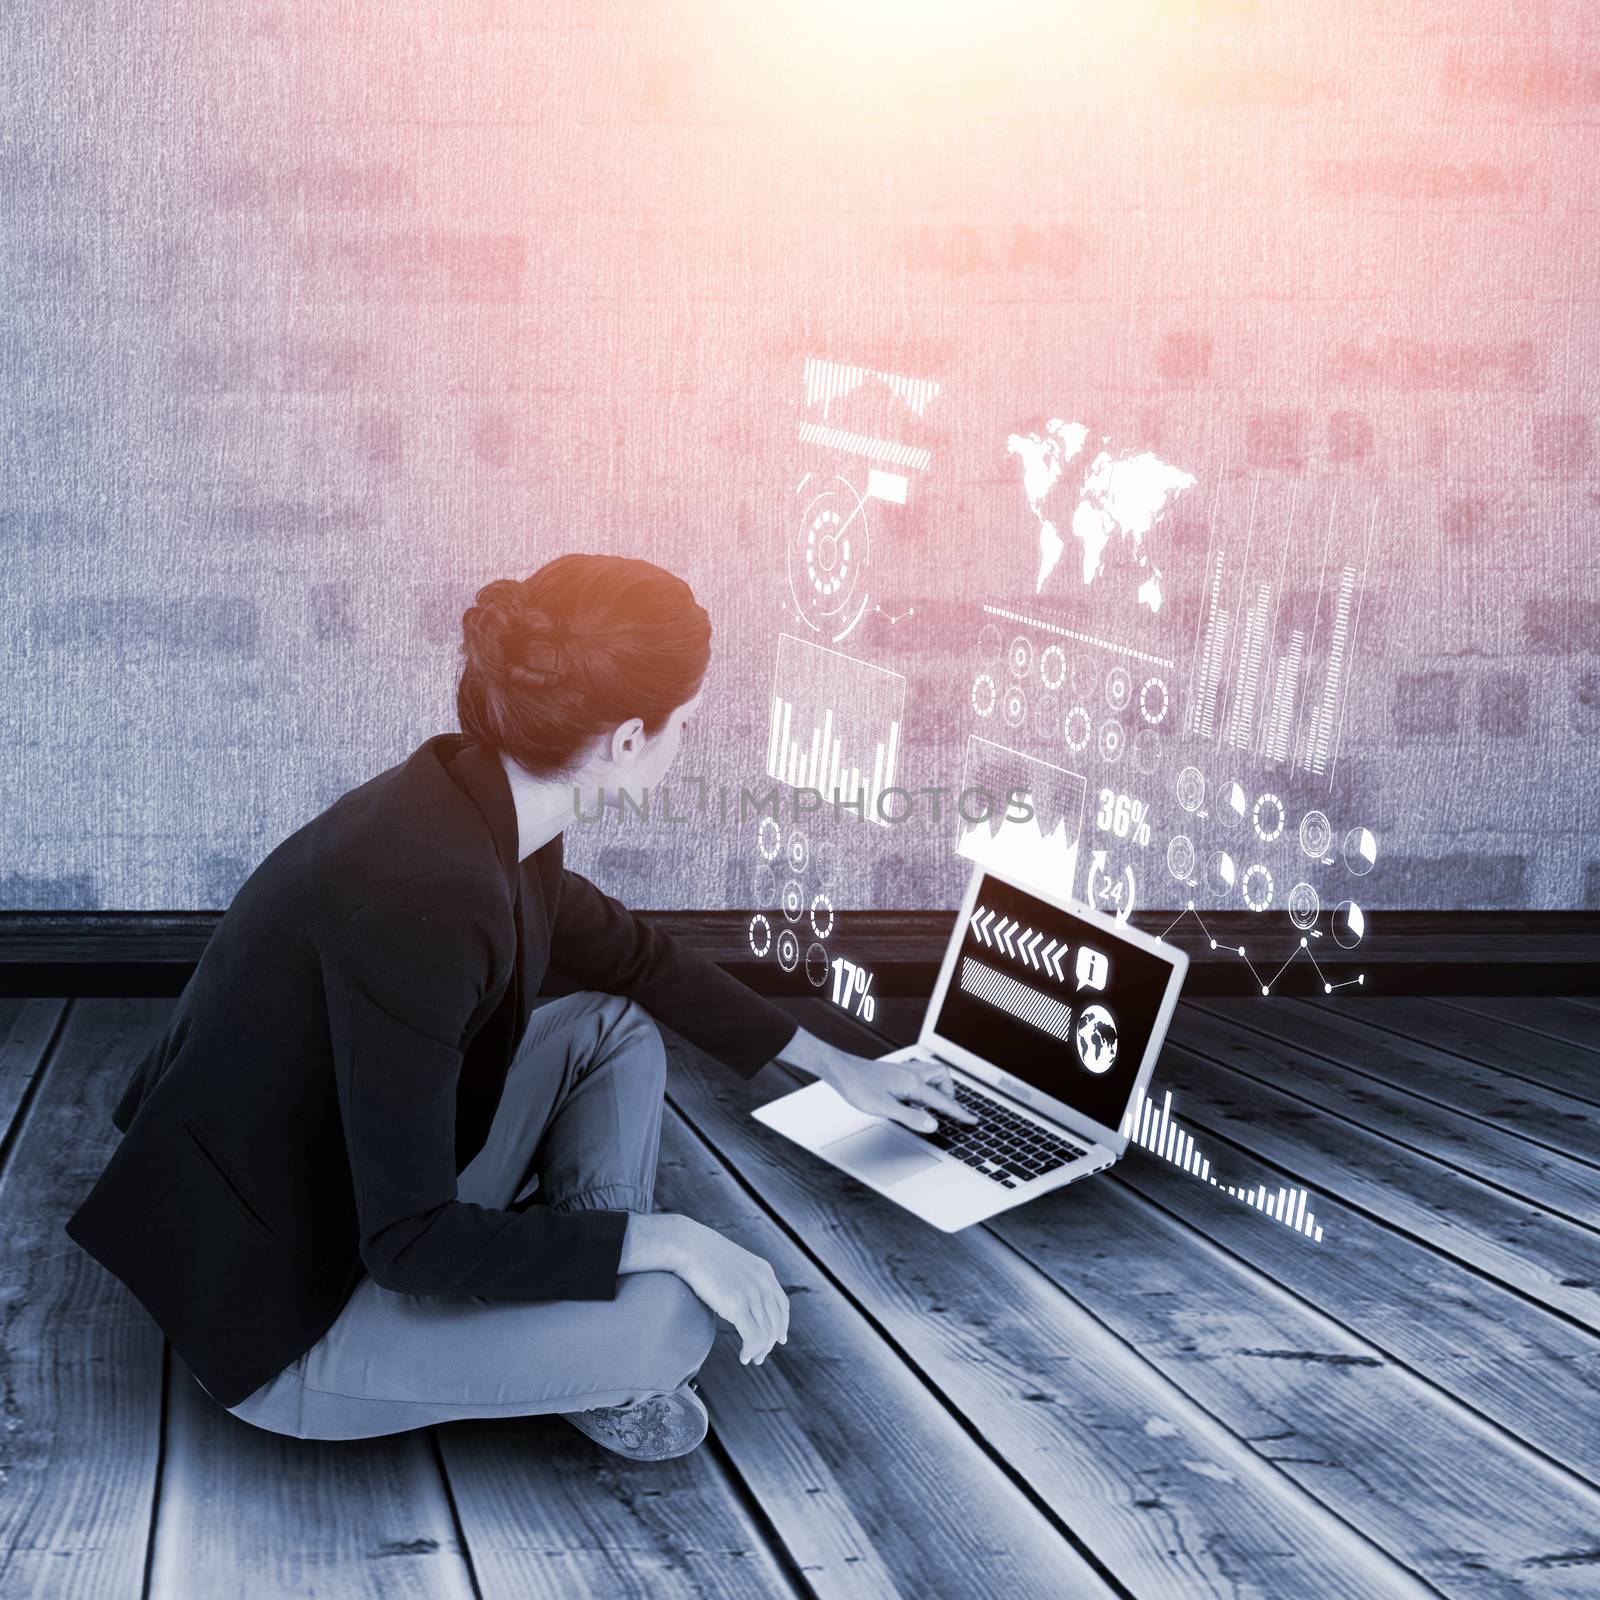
318,316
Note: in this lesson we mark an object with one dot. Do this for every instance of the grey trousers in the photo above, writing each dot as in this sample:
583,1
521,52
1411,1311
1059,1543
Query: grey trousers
580,1122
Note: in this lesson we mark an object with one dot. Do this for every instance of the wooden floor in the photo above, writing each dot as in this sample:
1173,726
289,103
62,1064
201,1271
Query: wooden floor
1134,1387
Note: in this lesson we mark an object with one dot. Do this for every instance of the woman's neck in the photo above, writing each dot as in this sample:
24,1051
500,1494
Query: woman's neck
544,806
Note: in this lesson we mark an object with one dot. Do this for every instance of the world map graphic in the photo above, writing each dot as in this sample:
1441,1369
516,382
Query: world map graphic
1117,497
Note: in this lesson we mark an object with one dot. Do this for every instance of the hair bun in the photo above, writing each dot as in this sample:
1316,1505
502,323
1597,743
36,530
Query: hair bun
510,641
542,656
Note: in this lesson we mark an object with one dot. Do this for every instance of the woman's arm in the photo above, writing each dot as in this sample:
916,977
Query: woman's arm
737,1285
597,943
907,1092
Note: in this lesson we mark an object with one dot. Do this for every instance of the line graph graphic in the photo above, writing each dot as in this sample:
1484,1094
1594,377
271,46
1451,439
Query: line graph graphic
835,725
1301,949
1041,849
1160,1133
828,382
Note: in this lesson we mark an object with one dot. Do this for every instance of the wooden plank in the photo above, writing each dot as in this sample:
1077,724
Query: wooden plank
1545,1257
1405,952
78,1452
549,1515
1561,1019
836,1437
1519,1109
1167,1501
1454,1498
257,1515
1567,1189
26,1029
1509,1050
1532,1374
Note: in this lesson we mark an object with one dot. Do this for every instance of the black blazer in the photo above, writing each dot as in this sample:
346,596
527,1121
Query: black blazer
337,1058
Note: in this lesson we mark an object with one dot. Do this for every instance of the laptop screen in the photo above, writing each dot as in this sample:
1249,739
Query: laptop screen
1053,1000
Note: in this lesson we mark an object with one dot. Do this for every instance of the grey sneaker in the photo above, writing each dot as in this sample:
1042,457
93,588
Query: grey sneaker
656,1429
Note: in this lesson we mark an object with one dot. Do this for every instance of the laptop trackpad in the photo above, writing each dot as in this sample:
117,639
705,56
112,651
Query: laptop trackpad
880,1154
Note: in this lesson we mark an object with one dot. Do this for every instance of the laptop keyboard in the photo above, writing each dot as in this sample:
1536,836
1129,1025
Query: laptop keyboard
1001,1146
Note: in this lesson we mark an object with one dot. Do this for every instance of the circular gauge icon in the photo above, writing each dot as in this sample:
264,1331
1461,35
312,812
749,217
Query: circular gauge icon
1052,667
769,838
828,558
1349,924
984,695
760,935
990,642
1268,816
799,852
1077,730
1316,834
821,915
766,886
1119,688
1257,887
823,863
788,950
817,965
1221,872
1014,708
1046,715
794,901
1111,740
1180,857
1085,676
1232,804
1304,906
1147,749
1360,851
1154,700
1191,788
1020,656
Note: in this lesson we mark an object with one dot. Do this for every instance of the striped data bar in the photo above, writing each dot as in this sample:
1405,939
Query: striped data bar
1002,991
861,444
1156,1132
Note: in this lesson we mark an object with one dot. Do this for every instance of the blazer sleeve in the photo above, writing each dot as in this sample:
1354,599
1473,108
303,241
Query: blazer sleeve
404,973
596,942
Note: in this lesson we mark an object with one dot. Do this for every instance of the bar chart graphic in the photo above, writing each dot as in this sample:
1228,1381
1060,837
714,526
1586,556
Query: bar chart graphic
1159,1132
1275,638
1323,724
835,726
1247,686
1212,657
1285,686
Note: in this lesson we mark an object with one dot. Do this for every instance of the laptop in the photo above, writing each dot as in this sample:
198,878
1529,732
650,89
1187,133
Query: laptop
1050,1016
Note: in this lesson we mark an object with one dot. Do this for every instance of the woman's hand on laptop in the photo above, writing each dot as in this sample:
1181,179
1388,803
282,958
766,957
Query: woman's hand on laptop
907,1092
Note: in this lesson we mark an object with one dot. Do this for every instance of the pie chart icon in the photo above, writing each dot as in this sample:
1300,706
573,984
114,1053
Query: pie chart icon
1360,851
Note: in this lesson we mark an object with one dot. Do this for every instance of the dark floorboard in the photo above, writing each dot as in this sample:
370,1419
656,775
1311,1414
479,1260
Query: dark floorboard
1136,1386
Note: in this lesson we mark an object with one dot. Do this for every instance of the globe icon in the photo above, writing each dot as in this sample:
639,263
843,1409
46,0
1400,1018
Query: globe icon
1097,1039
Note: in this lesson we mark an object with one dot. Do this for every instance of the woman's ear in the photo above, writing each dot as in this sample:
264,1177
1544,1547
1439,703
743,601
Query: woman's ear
627,741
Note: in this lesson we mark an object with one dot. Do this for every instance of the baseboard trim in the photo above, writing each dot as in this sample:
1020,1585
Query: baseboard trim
1404,952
